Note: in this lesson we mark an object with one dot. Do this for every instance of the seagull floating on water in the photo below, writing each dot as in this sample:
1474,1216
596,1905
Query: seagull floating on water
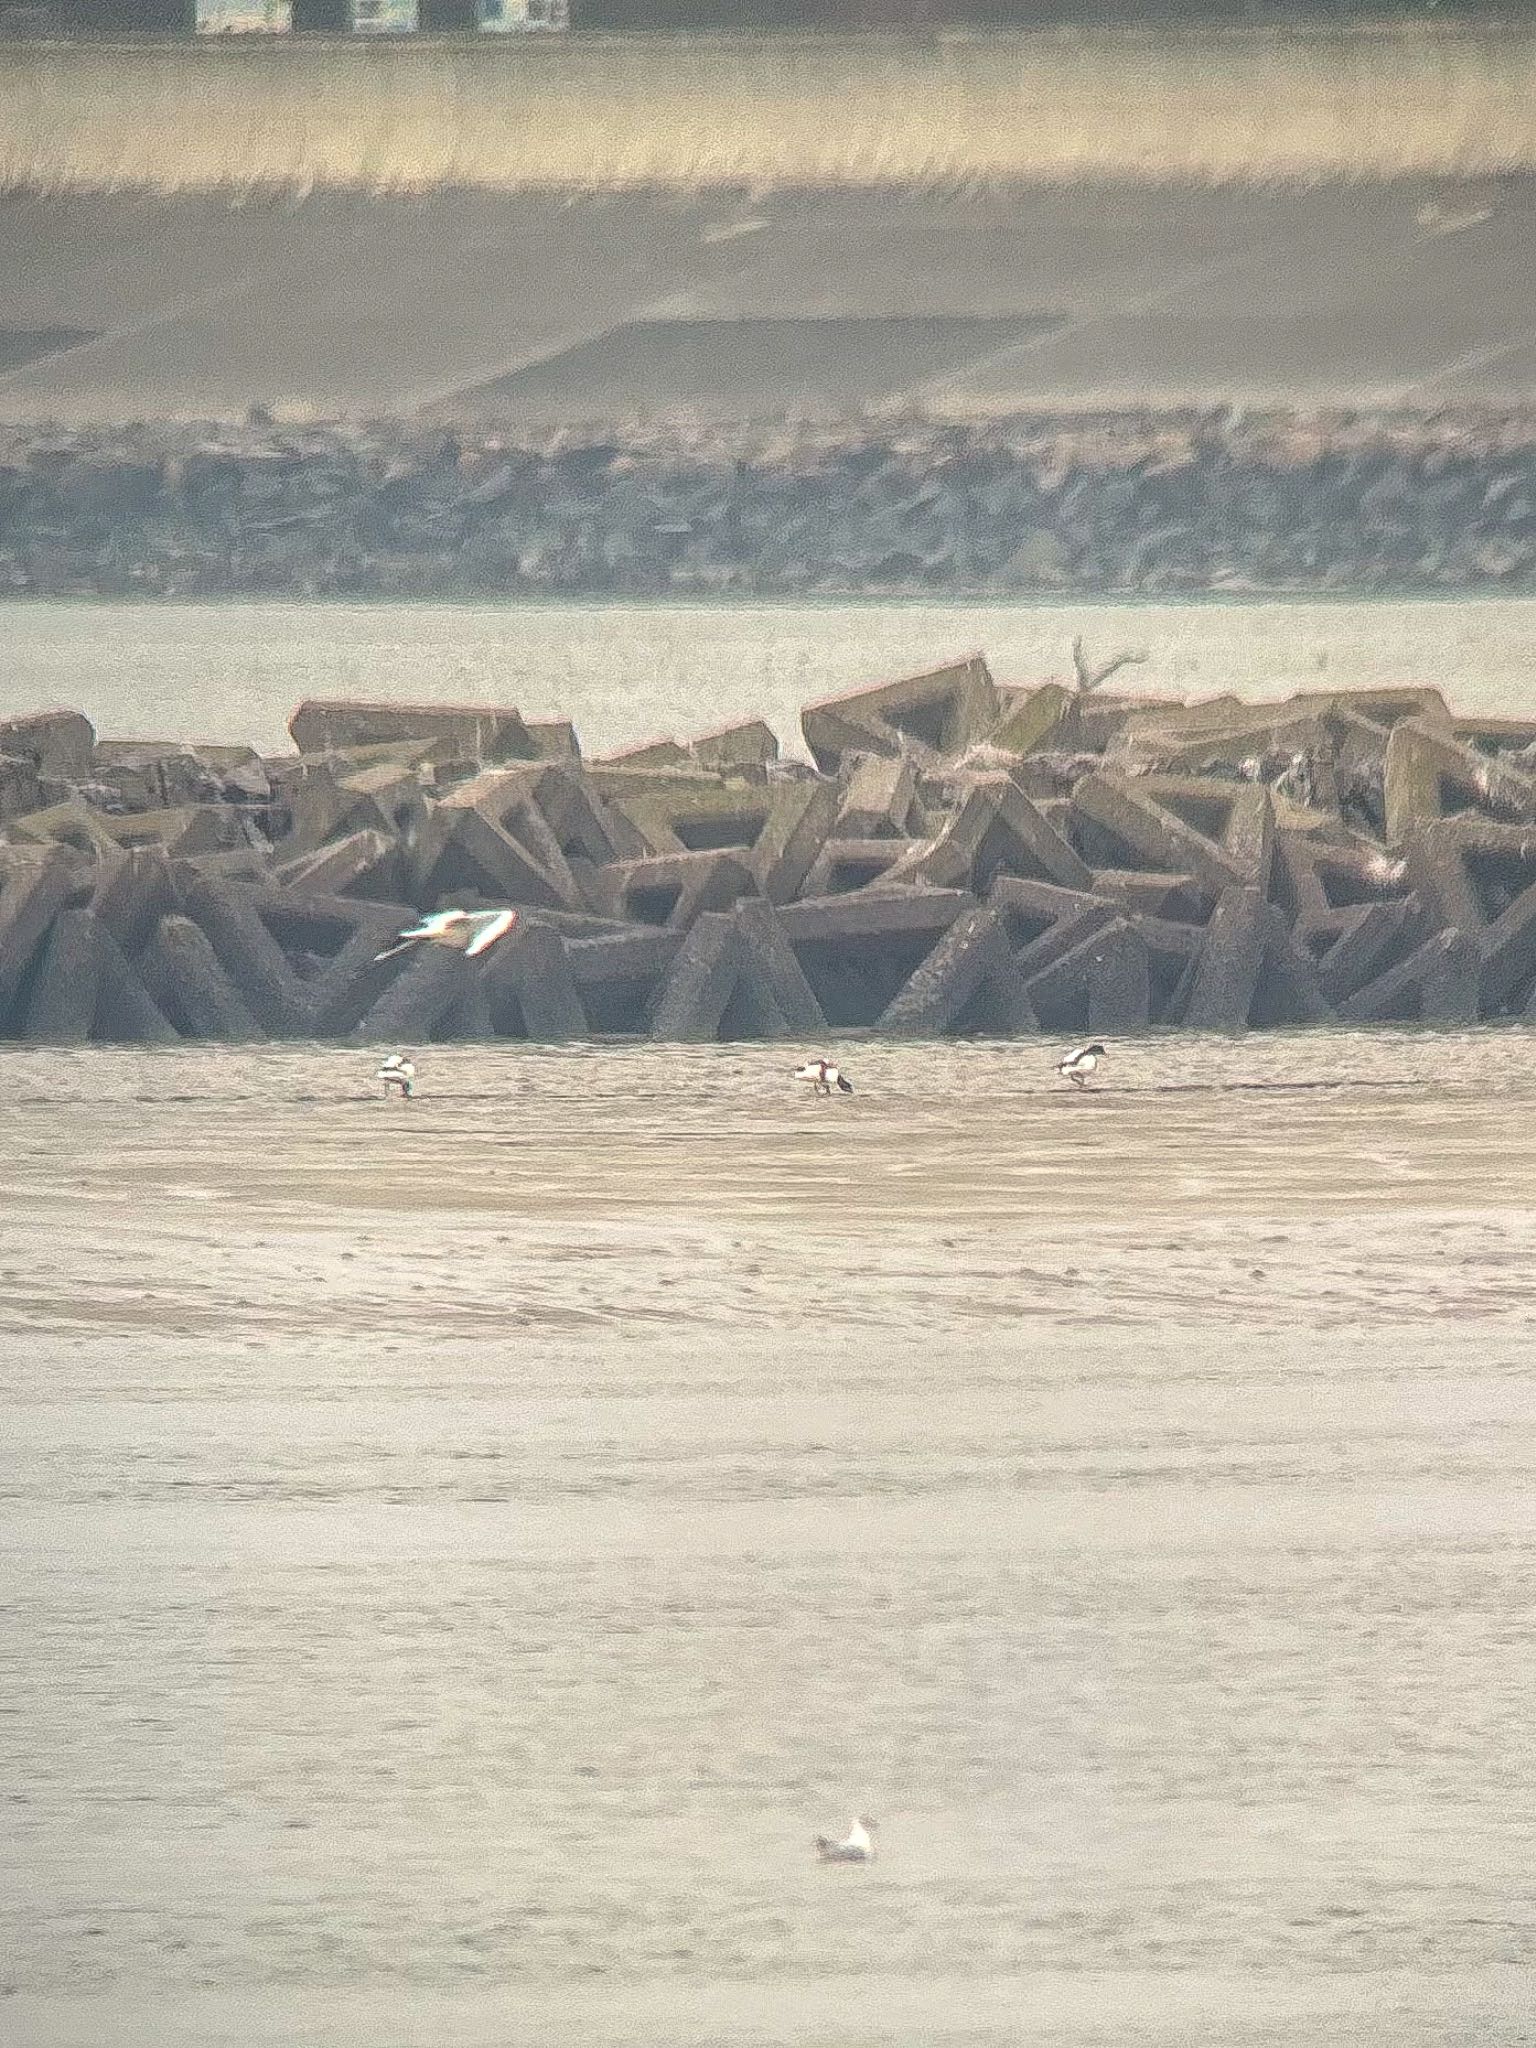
824,1077
467,931
398,1074
857,1846
1078,1065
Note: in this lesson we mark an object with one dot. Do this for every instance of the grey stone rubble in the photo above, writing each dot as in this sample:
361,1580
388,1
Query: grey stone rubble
1219,500
956,857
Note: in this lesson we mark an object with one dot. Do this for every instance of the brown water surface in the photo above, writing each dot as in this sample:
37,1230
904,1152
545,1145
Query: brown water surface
459,1552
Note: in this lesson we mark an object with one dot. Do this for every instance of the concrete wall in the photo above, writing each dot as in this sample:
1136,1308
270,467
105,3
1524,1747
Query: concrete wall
689,112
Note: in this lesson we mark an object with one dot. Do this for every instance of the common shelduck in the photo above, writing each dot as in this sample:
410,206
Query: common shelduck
1078,1065
824,1077
467,931
857,1846
398,1074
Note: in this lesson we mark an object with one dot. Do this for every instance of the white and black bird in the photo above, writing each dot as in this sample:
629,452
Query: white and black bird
1080,1064
467,931
824,1077
857,1846
398,1075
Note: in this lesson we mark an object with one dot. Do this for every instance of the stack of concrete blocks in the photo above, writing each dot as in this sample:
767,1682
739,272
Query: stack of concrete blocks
954,858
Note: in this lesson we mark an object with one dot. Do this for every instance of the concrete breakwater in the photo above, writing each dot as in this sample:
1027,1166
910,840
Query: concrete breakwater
956,857
1126,501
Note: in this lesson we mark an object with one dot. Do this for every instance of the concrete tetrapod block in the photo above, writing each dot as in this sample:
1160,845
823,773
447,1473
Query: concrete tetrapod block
367,863
1480,878
34,888
1029,719
554,739
1428,773
751,745
182,973
942,711
1226,975
329,942
479,732
126,1013
61,1000
649,754
1384,705
1236,820
58,744
617,975
968,982
1365,935
1436,984
847,864
858,951
489,837
879,799
195,828
1119,981
715,988
1091,724
779,826
529,989
577,816
1043,921
20,788
1131,819
230,916
1508,952
1102,982
800,817
1253,737
467,1019
132,892
1313,878
774,965
431,984
1470,870
838,920
1145,894
673,890
70,824
1289,990
156,775
317,807
997,830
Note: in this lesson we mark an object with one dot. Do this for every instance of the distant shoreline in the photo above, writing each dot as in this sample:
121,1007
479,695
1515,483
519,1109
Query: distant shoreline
1109,505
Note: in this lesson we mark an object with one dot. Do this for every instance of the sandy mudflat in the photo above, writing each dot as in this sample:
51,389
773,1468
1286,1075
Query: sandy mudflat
458,1553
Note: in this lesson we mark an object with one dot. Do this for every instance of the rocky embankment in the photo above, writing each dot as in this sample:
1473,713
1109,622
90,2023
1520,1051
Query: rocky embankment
1218,501
961,858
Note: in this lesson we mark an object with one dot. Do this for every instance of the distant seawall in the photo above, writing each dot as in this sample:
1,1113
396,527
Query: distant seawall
1298,104
1114,502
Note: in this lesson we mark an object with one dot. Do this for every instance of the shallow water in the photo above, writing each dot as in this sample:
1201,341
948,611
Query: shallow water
459,1552
628,673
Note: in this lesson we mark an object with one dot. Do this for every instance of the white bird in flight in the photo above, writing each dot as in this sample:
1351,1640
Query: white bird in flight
857,1846
467,931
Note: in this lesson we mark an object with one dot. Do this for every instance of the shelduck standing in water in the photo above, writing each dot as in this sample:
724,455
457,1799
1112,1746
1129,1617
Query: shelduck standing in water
857,1846
398,1075
467,931
824,1077
1078,1065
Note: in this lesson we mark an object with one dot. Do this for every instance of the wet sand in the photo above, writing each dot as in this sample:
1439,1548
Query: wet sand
460,1552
